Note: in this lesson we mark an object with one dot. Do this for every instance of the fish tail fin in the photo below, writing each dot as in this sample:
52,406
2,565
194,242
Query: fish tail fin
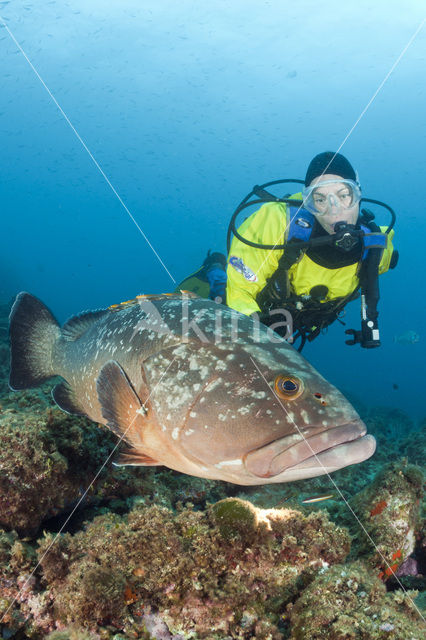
33,332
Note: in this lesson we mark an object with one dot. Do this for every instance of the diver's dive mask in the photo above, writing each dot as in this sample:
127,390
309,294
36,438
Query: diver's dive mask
331,196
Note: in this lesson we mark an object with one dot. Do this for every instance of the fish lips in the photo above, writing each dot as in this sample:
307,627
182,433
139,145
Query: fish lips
298,456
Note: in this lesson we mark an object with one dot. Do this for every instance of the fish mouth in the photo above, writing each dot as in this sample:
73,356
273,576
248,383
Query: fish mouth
296,456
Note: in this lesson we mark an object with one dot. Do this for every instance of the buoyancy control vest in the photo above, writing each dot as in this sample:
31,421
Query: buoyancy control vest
311,311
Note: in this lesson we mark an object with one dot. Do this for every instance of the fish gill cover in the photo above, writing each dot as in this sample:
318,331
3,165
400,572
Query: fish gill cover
130,132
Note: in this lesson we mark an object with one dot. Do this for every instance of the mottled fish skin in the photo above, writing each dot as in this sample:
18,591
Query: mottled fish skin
209,411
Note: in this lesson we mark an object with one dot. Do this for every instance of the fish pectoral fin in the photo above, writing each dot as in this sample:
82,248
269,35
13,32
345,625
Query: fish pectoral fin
65,398
121,406
135,458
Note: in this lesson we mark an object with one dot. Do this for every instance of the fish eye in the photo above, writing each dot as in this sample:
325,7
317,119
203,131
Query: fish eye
288,387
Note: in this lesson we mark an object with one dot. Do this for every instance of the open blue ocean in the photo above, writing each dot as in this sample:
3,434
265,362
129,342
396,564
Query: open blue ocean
183,108
130,130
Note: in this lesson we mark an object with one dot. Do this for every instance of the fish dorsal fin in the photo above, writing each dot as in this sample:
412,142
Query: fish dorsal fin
77,325
66,399
132,457
122,409
176,295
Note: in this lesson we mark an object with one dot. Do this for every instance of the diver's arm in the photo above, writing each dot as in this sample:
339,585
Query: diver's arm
248,267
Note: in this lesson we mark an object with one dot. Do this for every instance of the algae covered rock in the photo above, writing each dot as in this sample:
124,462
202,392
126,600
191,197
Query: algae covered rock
346,601
197,579
98,593
389,510
46,457
22,606
71,634
236,517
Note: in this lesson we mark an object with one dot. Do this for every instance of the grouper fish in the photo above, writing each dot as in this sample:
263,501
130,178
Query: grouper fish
192,385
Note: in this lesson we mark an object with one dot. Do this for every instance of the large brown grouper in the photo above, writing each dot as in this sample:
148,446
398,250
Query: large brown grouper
192,385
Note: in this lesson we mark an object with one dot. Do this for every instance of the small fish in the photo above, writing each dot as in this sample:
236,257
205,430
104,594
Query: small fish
409,337
200,400
395,387
314,499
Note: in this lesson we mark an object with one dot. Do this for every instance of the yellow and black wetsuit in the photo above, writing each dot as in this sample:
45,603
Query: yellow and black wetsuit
197,283
318,283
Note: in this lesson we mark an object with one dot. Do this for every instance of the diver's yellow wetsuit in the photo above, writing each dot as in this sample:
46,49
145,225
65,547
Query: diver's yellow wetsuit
249,268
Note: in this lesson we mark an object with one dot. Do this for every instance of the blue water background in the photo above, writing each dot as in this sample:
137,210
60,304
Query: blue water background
185,106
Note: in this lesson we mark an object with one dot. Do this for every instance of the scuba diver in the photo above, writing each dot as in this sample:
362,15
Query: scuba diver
310,253
209,281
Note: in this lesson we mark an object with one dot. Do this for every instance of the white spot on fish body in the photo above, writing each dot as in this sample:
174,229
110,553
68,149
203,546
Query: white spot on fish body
204,372
193,414
188,433
179,351
228,463
258,395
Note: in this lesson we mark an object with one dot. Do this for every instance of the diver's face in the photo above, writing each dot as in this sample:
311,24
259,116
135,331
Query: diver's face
332,201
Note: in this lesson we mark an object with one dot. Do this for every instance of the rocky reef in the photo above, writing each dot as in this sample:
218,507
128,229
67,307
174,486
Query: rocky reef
348,602
229,571
89,551
200,575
